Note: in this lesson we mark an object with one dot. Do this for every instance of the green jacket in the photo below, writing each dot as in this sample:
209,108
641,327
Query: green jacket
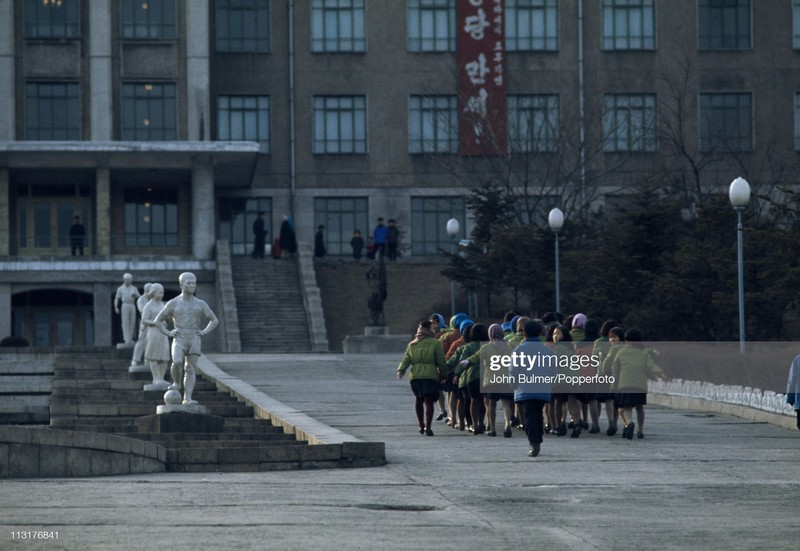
601,348
426,359
632,367
608,360
465,374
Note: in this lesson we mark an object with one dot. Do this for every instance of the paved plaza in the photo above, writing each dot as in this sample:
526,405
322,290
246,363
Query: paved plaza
696,481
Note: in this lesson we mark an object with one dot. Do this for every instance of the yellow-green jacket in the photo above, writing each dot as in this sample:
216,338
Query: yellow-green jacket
426,359
632,367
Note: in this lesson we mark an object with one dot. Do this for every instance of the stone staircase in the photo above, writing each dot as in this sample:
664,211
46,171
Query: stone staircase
269,301
92,392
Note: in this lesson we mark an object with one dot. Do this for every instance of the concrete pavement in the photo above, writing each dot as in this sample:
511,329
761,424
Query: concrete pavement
697,481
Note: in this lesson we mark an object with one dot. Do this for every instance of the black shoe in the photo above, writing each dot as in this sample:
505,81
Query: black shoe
534,449
561,430
595,429
611,431
491,433
571,425
586,425
514,421
576,432
441,416
547,429
628,430
421,430
640,435
507,433
428,432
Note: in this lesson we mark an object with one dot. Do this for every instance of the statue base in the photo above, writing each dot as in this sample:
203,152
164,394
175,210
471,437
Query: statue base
181,422
125,345
375,344
376,330
162,385
193,409
138,368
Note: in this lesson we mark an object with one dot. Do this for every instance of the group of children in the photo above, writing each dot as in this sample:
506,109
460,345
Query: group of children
448,361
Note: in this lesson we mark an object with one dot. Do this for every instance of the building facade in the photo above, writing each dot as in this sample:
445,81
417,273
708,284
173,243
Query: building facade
167,125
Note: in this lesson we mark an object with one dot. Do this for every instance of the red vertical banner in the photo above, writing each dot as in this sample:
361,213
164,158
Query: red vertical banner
481,77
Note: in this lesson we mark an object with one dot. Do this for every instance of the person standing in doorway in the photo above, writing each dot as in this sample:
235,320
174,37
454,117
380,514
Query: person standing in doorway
77,235
379,238
286,238
259,235
357,242
392,240
319,242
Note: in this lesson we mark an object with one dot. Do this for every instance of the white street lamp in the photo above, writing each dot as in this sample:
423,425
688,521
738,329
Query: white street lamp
452,230
739,194
556,221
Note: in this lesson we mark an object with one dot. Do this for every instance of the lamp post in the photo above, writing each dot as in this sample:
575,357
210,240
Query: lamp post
739,194
556,221
452,230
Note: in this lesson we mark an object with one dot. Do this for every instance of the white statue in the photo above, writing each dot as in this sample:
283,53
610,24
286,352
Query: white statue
156,348
126,296
187,315
138,351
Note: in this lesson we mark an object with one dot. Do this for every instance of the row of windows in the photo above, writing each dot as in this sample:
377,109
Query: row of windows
150,220
630,122
340,25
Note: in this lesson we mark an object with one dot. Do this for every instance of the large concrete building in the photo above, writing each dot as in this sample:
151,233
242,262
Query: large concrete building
166,125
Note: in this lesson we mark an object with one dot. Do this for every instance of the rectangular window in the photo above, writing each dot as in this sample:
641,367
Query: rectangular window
52,111
340,216
431,25
796,24
724,24
149,112
236,217
244,118
151,217
797,121
242,25
338,26
153,19
531,25
629,123
340,124
51,18
533,123
432,124
429,216
726,121
629,25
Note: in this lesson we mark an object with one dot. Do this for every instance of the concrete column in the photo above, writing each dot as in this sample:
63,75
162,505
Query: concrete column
103,212
102,314
7,83
5,310
100,70
197,69
203,210
5,214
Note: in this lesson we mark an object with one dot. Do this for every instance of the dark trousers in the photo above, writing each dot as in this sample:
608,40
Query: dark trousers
391,251
534,423
258,248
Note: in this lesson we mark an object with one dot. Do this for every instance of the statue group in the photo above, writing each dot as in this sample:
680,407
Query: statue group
185,319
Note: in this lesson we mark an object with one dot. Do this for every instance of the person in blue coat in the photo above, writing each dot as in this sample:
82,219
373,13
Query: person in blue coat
533,370
793,388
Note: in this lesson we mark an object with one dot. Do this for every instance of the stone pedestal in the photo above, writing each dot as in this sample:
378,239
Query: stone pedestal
375,344
138,368
175,421
163,385
376,330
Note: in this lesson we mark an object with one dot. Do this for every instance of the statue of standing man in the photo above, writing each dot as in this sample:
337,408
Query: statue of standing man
188,314
126,297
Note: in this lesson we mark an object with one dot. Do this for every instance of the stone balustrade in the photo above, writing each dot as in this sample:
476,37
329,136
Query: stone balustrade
766,400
